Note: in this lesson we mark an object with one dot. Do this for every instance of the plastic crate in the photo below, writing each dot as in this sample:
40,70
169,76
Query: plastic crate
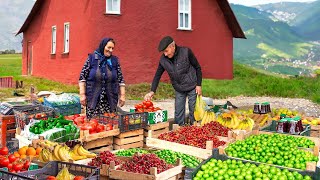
5,175
7,123
23,115
132,121
273,128
54,167
215,154
64,109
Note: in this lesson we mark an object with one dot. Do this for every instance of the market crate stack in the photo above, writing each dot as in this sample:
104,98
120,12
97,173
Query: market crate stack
155,130
131,139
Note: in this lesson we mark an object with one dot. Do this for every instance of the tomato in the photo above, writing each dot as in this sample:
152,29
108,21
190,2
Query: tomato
78,178
26,165
51,178
4,162
100,128
94,123
12,158
17,166
139,110
89,127
79,120
4,151
9,166
76,115
109,127
148,104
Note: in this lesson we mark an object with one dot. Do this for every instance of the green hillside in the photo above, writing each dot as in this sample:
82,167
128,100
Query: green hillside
269,43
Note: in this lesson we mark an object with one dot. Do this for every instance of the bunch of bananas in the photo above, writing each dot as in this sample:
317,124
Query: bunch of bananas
44,144
229,120
63,153
208,117
233,120
260,119
245,124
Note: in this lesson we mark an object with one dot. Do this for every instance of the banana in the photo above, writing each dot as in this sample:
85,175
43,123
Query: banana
64,154
75,157
204,118
56,152
40,157
75,149
84,152
45,155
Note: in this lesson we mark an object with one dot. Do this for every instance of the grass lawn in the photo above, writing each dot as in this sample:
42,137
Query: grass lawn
247,81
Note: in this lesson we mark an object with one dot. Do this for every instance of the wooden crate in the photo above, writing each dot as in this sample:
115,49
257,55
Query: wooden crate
310,166
155,130
102,140
315,131
98,143
7,121
131,139
169,174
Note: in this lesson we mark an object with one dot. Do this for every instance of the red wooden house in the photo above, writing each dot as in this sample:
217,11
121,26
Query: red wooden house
58,35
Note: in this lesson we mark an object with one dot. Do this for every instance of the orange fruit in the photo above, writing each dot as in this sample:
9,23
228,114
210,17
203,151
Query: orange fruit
38,150
22,151
23,156
16,154
31,151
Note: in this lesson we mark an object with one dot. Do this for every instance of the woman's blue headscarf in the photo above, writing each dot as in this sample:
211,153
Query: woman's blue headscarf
100,52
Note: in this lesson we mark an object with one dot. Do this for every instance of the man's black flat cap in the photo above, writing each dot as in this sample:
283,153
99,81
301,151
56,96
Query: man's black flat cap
164,43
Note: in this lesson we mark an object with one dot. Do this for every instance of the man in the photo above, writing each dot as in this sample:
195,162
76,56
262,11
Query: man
185,75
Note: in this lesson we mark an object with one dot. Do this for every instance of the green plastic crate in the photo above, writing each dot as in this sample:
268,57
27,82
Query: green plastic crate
156,117
273,128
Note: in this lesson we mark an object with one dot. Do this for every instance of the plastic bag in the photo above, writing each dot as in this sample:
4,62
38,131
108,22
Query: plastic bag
199,109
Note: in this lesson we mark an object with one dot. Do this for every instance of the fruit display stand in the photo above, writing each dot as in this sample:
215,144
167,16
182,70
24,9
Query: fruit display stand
170,174
130,139
102,140
155,130
218,154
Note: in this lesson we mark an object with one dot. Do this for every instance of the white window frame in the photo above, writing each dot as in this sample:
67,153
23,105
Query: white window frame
66,37
109,10
53,39
184,11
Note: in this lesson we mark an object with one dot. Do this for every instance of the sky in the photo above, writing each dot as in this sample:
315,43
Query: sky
256,2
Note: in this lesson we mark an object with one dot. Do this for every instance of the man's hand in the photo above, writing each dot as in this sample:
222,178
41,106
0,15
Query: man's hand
199,90
149,96
83,99
122,100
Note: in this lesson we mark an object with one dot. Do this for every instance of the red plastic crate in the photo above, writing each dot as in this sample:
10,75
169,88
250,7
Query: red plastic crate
7,121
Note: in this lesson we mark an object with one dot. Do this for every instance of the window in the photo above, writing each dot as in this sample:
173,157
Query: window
53,39
66,37
184,14
113,6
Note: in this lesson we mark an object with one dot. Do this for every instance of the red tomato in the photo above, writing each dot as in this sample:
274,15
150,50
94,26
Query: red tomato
4,151
100,128
148,104
79,178
4,162
94,123
79,120
9,166
89,127
26,165
12,158
109,127
17,167
51,178
76,115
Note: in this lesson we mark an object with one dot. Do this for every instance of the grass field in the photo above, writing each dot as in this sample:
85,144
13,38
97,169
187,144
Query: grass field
247,81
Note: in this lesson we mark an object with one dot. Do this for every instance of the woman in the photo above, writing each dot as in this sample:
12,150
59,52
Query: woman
101,81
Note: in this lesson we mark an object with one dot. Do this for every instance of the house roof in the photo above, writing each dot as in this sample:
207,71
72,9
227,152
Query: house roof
231,19
34,11
224,5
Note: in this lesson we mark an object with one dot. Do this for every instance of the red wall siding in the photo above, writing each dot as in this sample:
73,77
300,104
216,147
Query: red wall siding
137,32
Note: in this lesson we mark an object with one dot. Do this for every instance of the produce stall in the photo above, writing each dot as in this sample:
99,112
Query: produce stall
57,141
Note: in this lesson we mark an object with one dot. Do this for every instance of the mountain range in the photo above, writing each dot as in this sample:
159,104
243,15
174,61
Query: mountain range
281,37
